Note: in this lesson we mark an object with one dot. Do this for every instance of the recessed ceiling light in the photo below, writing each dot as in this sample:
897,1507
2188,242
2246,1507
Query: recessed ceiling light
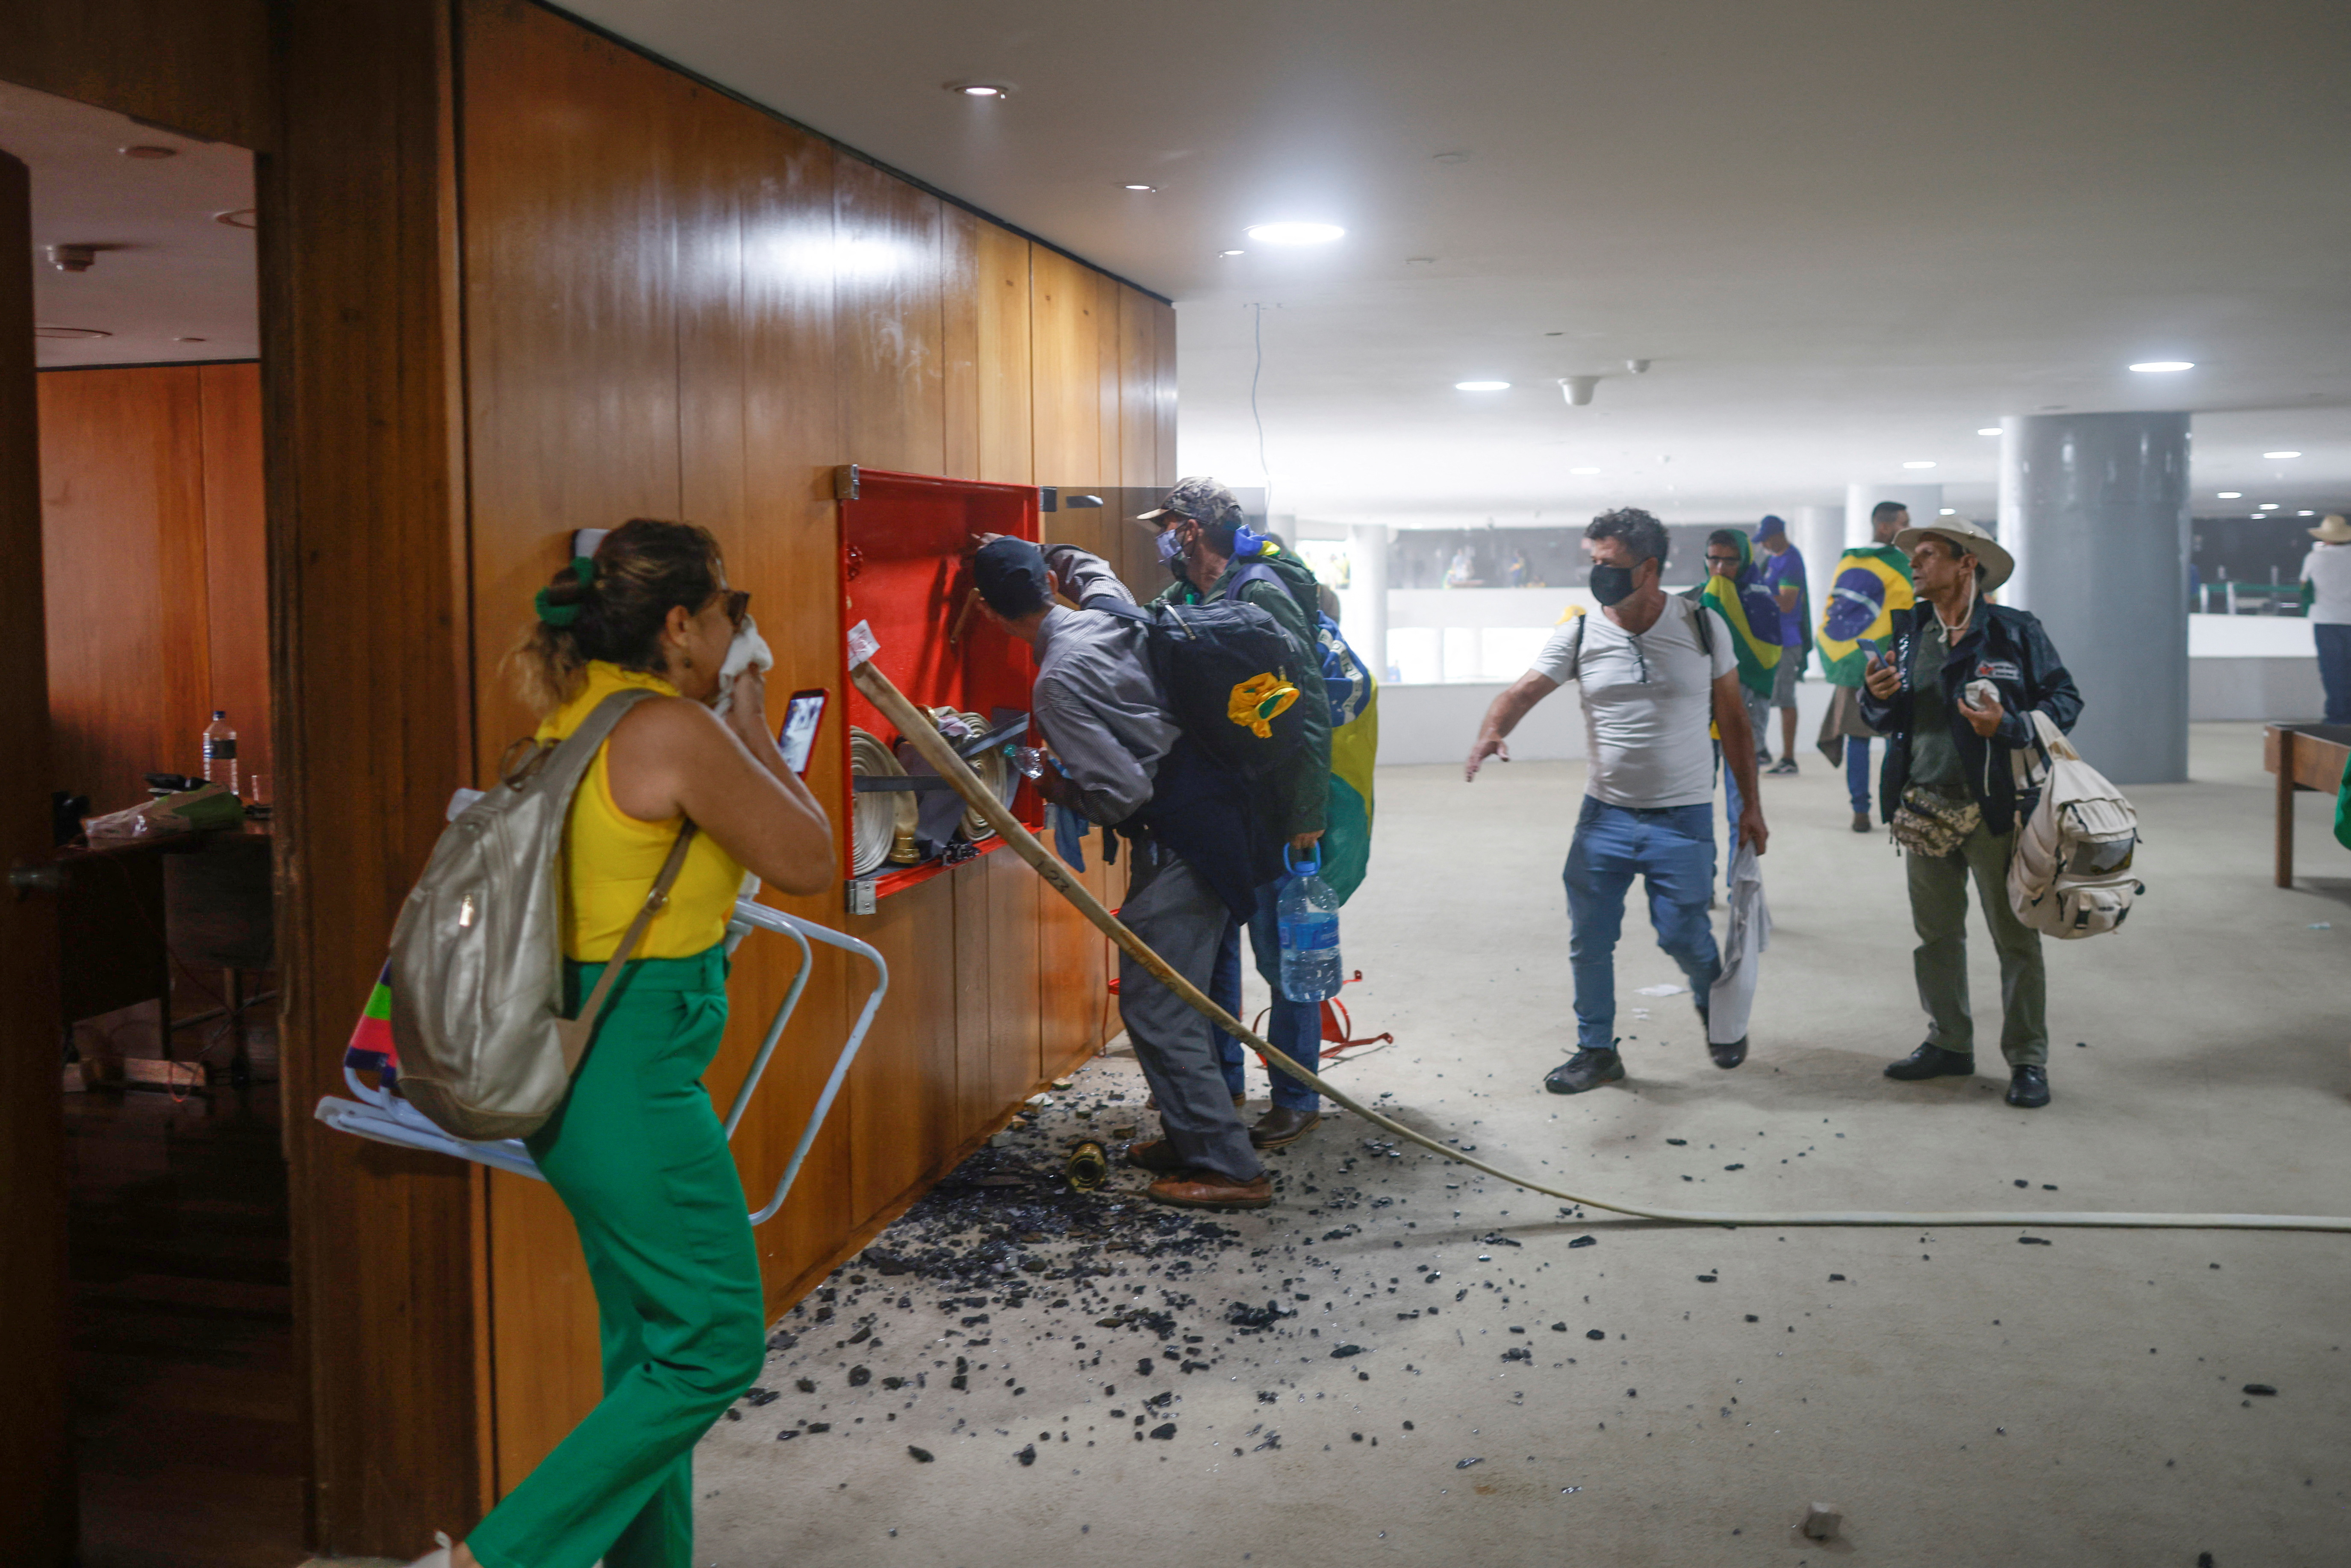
2278,454
1232,253
150,152
2267,506
190,339
1137,187
2306,514
1989,430
1583,470
1917,464
2230,494
1948,512
238,218
1295,233
43,330
2158,367
979,89
1481,386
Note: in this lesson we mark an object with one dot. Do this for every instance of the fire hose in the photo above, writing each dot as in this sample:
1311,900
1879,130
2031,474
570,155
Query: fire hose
920,730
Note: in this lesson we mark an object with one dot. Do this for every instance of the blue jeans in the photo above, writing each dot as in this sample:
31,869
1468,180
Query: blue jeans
1673,848
2334,669
1296,1028
1857,773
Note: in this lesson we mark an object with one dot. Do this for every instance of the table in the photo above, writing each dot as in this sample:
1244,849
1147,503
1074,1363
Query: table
2304,757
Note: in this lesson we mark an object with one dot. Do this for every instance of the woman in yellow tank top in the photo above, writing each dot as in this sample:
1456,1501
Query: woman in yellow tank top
636,1151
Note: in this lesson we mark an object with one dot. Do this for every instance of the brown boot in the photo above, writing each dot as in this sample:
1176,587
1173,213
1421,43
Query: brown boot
1157,1156
1211,1189
1282,1126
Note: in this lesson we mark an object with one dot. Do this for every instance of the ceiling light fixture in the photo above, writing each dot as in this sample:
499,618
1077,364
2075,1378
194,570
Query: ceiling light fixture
2268,507
2306,514
2275,456
1917,464
1989,430
1144,188
2230,494
2162,367
1481,386
238,218
1295,233
980,88
1577,389
150,150
42,329
1232,253
1948,512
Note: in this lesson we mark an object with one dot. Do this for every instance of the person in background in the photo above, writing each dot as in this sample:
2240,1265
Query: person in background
635,1150
1212,555
1652,669
1197,847
1783,574
1734,591
2326,599
1870,583
1953,698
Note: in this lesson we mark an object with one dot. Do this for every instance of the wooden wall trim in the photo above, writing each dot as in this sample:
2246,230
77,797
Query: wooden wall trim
201,66
373,677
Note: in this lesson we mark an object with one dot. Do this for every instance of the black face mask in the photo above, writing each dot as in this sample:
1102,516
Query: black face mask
1611,585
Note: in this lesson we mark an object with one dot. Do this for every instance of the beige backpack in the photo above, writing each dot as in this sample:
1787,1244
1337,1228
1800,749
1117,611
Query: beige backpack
2071,875
476,969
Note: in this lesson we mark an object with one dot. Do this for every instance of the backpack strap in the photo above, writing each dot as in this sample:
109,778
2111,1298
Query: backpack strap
1704,633
575,1034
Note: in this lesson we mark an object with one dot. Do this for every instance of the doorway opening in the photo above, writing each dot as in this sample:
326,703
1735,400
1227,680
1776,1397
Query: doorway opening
188,1440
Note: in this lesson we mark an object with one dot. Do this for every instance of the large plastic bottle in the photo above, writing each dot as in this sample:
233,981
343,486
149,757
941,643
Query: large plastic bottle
220,753
1308,915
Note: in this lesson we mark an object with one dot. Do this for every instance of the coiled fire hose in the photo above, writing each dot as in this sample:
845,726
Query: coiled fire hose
918,728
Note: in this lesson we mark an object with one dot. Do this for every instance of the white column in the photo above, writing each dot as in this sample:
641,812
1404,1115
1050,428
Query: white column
1366,598
1818,533
1924,501
2094,508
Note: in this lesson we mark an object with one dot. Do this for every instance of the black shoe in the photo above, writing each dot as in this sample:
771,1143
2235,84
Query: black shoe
1860,821
1587,1068
2028,1087
1725,1056
1784,765
1931,1061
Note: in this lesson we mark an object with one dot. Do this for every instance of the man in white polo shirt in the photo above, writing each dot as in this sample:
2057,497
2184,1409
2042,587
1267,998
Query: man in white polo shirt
1653,673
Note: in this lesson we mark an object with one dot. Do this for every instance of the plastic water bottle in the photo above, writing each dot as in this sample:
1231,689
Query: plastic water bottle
1308,915
220,753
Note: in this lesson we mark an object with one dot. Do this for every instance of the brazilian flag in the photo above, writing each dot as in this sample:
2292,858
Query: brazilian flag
1745,603
1872,581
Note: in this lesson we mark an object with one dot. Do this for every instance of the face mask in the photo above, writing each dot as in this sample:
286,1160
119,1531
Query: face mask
1611,585
1171,551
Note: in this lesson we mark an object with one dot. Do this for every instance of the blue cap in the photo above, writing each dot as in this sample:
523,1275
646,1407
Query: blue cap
1771,527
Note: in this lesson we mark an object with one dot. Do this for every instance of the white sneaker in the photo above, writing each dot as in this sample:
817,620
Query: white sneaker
439,1557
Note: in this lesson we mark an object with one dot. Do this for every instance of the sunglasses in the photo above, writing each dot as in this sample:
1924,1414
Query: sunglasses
738,603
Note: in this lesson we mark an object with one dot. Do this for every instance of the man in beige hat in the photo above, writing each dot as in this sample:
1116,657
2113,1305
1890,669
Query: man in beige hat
1952,699
2326,599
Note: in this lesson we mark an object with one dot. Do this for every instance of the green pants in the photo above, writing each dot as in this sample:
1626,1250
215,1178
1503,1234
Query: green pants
638,1156
1938,912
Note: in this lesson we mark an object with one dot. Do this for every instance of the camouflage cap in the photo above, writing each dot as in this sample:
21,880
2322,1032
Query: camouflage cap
1200,498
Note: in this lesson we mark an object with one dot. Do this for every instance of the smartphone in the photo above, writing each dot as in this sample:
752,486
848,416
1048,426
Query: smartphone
796,739
1869,646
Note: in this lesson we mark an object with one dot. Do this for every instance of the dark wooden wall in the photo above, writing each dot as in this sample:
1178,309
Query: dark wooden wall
156,571
679,305
200,66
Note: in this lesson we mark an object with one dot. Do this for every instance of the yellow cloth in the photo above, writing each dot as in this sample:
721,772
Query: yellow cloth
613,858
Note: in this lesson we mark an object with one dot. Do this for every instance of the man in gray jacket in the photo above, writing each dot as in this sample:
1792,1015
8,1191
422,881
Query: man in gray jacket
1124,764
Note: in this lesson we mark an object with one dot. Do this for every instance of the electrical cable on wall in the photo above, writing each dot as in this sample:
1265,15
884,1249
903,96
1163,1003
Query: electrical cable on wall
926,739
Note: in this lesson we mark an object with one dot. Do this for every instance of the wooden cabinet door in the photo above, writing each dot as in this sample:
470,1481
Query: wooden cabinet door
37,1485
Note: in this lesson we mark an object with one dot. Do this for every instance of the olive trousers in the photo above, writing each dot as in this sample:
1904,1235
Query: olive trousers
637,1155
1938,913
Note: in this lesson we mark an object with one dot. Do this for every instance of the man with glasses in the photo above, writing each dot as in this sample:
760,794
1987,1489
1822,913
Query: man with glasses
1652,670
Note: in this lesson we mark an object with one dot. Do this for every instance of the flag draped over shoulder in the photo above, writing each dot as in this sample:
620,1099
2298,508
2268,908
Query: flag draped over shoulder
1747,607
1870,583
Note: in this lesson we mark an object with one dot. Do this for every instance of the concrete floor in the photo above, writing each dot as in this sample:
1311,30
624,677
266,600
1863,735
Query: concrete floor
1966,1400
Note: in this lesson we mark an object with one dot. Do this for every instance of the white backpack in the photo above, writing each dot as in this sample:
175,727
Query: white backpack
2070,873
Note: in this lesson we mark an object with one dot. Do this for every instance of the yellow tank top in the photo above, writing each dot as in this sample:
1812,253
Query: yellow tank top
613,858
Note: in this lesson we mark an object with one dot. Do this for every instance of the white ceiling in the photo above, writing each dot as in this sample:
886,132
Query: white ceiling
1848,233
178,283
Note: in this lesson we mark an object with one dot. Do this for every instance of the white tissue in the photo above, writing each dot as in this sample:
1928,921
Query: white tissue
749,651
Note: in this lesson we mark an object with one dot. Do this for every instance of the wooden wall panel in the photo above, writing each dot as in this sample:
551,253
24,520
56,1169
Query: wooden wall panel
572,323
972,952
372,671
1065,369
890,320
236,560
122,506
904,1110
1001,294
959,309
1015,985
200,66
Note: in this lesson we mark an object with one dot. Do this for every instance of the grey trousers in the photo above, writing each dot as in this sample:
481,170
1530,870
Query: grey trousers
1938,913
1172,909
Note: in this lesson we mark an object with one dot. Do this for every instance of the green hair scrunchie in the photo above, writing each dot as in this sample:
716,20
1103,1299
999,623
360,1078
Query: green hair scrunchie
583,567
